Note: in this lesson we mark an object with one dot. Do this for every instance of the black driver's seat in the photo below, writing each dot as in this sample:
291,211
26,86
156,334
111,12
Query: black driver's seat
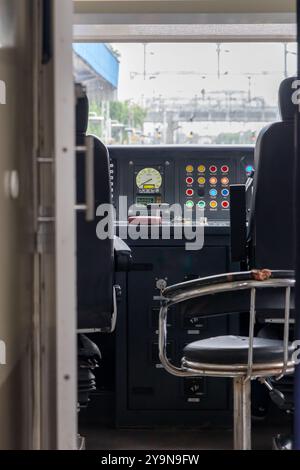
97,259
271,225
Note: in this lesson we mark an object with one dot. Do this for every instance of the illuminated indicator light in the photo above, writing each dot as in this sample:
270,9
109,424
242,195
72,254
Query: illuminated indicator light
201,168
190,180
201,180
225,204
201,204
213,180
189,192
189,204
249,169
213,169
225,181
225,169
225,192
213,192
213,204
189,168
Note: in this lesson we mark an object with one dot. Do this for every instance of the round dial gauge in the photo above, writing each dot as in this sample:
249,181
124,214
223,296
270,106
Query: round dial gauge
149,178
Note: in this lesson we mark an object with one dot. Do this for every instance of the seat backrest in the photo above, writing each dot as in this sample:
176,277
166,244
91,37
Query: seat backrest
271,222
95,258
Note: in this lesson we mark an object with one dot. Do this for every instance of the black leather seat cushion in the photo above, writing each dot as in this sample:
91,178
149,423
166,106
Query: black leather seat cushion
227,350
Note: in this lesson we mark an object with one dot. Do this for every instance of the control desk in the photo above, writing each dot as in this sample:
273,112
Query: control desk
192,177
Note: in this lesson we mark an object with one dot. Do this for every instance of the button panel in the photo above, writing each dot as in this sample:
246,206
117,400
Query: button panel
206,186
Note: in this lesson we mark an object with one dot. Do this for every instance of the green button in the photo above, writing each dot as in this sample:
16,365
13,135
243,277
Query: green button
189,204
202,204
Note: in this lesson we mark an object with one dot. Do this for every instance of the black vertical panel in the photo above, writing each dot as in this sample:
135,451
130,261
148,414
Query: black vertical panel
297,145
238,223
47,32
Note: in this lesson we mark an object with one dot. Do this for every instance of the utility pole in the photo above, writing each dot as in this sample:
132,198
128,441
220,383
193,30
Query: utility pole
219,50
145,60
219,59
286,54
249,88
285,59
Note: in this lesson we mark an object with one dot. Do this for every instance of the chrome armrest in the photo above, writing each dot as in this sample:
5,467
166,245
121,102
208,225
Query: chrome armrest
249,280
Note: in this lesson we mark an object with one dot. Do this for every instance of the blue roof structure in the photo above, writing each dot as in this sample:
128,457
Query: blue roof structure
101,59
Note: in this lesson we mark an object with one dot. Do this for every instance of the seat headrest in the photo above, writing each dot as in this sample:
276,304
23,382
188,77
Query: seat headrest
286,106
82,114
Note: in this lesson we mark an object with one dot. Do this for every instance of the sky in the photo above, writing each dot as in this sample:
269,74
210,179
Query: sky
264,63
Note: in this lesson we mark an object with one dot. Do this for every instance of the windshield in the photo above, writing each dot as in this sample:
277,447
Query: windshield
184,93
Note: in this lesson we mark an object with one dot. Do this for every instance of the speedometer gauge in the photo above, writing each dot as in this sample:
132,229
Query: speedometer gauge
149,179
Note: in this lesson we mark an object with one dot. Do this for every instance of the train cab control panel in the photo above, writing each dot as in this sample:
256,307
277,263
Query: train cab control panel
193,177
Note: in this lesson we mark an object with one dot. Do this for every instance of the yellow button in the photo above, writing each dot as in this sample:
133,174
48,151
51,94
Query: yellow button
201,180
213,180
189,169
201,168
225,181
213,204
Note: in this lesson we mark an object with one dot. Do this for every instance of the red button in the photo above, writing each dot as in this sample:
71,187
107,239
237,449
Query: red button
225,169
189,180
189,192
213,169
225,204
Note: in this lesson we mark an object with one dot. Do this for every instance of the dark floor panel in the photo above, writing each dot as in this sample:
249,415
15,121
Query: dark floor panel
175,438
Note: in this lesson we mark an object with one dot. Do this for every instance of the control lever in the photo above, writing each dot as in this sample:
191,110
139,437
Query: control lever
276,396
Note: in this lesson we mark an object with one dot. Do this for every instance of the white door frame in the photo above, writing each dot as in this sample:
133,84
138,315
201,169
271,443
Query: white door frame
65,231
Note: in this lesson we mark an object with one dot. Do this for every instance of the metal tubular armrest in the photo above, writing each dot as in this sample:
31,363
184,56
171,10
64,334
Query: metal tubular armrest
250,280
